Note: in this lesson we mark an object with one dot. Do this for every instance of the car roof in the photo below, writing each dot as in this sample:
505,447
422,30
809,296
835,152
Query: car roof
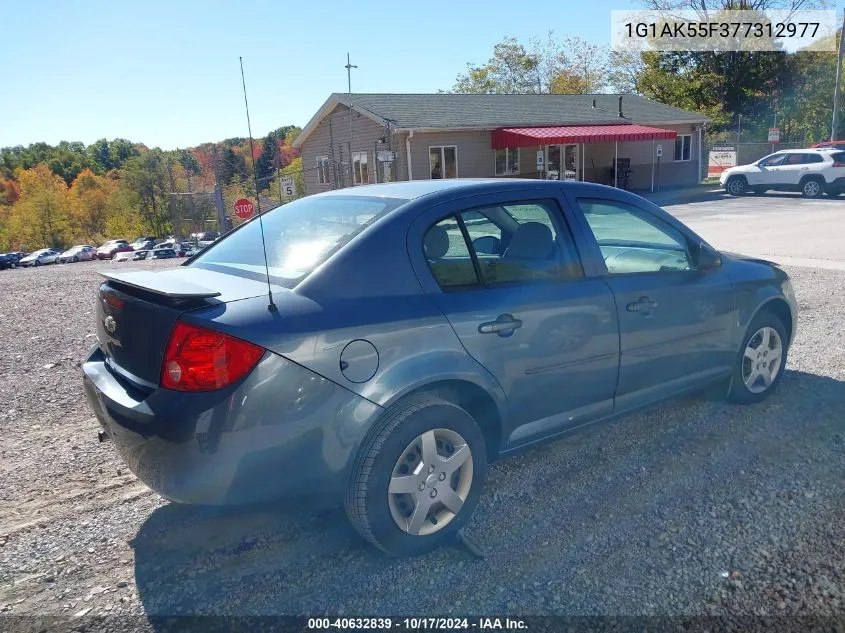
805,150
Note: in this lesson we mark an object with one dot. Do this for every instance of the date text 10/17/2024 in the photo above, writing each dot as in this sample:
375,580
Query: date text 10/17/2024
417,624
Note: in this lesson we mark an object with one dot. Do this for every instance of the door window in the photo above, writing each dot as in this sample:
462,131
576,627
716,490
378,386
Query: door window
795,159
443,161
448,256
631,241
772,161
509,243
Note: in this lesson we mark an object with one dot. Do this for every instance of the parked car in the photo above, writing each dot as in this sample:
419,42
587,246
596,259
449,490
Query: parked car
142,254
6,261
813,172
124,256
16,256
40,257
192,250
182,248
80,253
112,247
443,325
206,238
161,253
144,243
840,145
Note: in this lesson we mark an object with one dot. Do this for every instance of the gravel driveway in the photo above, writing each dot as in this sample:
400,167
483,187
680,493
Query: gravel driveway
694,507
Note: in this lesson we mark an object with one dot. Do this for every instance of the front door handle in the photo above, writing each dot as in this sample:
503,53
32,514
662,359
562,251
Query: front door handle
503,325
643,306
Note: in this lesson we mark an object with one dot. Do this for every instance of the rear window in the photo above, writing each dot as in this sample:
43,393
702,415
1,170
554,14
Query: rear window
299,236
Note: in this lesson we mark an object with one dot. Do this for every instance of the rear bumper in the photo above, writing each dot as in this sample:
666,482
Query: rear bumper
282,431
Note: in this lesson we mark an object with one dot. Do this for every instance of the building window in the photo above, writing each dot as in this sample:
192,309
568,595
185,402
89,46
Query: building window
359,168
507,161
322,170
443,161
683,142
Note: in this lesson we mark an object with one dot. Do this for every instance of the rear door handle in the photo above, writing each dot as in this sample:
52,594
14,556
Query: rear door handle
503,324
643,306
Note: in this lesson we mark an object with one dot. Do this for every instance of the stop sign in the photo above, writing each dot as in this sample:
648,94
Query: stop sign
244,208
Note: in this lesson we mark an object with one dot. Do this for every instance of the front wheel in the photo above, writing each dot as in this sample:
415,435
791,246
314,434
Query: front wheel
417,477
761,360
75,259
812,188
736,186
37,262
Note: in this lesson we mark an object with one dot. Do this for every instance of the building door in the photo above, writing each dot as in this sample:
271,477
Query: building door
562,162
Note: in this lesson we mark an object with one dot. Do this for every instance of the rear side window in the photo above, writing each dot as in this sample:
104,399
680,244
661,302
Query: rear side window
448,256
838,157
501,244
813,158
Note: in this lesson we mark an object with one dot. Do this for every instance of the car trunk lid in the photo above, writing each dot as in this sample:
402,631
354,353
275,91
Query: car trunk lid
136,312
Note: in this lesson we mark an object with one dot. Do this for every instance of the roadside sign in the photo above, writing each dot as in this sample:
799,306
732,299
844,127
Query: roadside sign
386,157
244,208
720,159
287,187
659,149
540,159
774,135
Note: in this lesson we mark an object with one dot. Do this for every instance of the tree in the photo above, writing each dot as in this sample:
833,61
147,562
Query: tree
146,178
266,163
232,166
569,66
41,216
90,201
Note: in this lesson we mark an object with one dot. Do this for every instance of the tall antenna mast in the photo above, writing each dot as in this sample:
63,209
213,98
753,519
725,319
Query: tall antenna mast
271,306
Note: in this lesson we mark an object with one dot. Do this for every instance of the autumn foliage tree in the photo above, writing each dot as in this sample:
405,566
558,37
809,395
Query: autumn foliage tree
42,214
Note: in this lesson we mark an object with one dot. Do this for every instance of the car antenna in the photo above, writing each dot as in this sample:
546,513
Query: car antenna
271,306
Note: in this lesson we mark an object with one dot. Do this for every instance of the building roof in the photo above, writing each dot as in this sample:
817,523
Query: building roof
489,111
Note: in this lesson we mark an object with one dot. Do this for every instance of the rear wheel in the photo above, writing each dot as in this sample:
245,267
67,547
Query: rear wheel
417,477
736,185
37,262
762,358
75,259
812,188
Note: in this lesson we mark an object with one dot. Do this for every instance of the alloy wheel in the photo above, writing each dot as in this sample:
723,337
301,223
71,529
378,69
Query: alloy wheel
812,189
762,359
736,186
430,482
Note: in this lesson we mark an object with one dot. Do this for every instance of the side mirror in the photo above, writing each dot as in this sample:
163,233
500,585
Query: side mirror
707,258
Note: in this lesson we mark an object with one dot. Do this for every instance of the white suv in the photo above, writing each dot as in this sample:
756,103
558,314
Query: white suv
810,171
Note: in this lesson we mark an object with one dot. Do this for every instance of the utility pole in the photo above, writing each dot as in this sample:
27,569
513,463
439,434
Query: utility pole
349,68
222,225
738,132
837,89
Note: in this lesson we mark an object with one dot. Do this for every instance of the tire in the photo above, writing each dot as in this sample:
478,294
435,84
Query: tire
812,188
394,444
736,185
37,262
75,259
739,391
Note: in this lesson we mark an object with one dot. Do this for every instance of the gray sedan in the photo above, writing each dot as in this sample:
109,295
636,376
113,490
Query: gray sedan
400,337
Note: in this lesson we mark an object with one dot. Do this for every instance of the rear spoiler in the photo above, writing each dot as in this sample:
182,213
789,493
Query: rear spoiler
168,283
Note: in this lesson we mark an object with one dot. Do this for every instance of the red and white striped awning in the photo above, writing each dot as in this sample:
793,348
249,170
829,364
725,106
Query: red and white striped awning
534,136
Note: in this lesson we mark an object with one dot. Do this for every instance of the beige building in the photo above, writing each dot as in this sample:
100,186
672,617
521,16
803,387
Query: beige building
577,137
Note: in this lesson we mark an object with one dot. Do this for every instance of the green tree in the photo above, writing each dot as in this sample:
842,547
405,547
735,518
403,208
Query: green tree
266,163
147,179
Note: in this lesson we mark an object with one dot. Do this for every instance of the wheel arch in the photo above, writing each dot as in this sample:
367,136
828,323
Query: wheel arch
486,408
780,308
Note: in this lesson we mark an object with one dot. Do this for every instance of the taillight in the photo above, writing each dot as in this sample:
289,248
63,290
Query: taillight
198,359
836,163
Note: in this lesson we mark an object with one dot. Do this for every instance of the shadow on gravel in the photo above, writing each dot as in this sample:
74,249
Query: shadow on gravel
591,500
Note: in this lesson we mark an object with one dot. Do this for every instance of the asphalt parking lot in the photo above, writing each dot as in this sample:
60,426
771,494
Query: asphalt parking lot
693,507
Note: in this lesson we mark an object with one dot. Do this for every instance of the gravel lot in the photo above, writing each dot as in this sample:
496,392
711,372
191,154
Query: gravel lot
690,508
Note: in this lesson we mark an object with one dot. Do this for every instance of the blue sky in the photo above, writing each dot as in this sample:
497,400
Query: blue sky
166,73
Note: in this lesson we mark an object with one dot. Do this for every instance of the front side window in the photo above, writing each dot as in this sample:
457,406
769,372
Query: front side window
772,161
796,159
322,170
359,168
683,143
632,241
443,161
507,161
299,236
